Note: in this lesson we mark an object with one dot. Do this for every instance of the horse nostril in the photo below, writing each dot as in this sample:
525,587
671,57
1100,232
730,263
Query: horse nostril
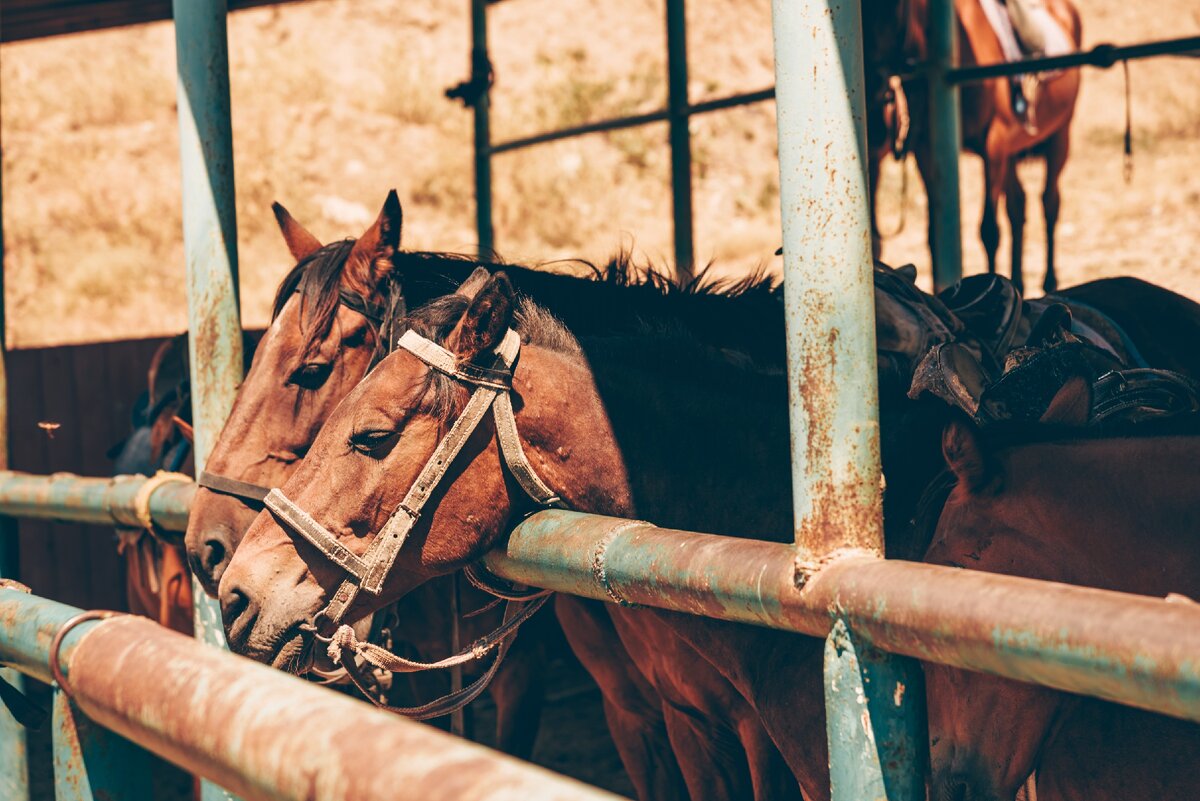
213,557
235,604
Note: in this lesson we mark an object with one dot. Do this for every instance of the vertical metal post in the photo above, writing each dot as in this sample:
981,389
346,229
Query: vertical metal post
828,276
833,387
14,762
877,732
210,241
91,762
681,143
945,142
481,67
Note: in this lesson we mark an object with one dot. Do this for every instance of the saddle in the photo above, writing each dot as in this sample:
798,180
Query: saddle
1037,347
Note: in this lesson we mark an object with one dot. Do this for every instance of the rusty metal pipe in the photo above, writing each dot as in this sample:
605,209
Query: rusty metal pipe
257,731
101,501
1130,649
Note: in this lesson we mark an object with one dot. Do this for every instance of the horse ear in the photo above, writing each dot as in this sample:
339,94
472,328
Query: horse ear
964,454
300,243
370,259
475,281
1072,404
486,320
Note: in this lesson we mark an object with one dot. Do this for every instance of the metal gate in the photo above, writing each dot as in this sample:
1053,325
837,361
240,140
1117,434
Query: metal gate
877,615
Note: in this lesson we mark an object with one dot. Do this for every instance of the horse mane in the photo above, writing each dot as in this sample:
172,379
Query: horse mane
317,278
442,397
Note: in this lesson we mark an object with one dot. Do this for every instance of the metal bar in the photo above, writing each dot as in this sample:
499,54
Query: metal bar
828,286
945,142
210,242
481,67
14,763
863,683
615,124
101,501
93,763
634,120
260,732
1103,56
1130,649
679,136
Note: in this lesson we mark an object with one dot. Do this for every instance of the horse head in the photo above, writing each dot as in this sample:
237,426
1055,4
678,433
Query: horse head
322,339
377,448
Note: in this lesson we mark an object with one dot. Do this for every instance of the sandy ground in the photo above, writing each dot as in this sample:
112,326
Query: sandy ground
336,101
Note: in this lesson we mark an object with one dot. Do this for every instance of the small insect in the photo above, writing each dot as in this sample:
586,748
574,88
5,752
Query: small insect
49,428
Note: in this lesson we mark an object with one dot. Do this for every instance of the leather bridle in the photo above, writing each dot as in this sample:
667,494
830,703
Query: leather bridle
367,572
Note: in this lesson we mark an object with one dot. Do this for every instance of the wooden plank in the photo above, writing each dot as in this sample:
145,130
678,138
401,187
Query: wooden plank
34,19
93,399
26,453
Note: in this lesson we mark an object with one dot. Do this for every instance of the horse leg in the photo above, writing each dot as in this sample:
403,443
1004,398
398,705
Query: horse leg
1014,204
1057,148
519,692
994,168
874,162
632,708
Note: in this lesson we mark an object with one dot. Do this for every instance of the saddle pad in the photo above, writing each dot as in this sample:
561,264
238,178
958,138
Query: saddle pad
1041,33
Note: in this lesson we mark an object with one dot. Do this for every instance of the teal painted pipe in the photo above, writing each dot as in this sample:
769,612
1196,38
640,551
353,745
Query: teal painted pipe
864,684
102,501
93,764
262,733
210,244
1125,648
828,285
480,67
680,137
945,141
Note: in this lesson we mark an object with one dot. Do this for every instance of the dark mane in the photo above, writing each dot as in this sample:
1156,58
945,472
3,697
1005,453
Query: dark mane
422,275
317,278
443,397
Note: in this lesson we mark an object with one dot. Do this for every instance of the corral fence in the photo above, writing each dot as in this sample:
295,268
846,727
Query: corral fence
266,735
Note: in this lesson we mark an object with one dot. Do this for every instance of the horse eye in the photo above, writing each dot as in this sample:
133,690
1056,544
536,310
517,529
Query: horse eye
370,441
310,375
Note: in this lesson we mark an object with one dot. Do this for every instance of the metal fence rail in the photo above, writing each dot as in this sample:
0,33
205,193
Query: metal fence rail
266,735
261,733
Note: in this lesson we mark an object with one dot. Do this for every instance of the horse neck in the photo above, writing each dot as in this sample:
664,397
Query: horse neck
707,440
1112,501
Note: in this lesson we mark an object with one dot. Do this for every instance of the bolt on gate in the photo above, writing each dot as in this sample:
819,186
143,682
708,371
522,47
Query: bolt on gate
228,720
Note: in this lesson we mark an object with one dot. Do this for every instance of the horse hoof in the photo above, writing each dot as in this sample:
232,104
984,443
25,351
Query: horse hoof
1050,284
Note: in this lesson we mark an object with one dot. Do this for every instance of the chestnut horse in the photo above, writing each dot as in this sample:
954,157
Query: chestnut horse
1119,513
314,354
895,35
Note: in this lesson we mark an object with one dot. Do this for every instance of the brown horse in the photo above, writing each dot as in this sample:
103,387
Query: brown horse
1115,513
895,35
314,354
584,415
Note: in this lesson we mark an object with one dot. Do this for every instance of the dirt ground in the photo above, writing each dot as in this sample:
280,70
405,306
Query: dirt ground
336,101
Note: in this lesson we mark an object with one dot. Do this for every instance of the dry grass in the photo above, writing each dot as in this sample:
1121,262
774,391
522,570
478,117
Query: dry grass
336,101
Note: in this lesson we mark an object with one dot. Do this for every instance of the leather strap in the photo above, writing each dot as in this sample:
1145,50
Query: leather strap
254,493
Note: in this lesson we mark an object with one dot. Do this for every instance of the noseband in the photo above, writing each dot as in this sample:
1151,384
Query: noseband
368,572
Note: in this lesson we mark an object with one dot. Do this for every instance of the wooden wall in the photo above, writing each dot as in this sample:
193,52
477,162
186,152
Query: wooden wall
88,390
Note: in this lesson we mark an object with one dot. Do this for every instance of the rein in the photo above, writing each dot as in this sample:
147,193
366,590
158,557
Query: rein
367,573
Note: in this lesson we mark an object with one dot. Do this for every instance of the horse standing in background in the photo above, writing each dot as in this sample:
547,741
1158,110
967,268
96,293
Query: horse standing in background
895,36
